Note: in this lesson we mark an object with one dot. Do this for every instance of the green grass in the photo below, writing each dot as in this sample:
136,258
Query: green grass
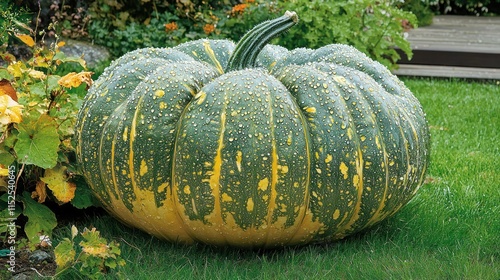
450,230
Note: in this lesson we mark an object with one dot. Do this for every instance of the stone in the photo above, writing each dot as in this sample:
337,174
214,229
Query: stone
92,54
39,256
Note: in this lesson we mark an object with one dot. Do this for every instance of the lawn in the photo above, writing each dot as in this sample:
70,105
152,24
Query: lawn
450,230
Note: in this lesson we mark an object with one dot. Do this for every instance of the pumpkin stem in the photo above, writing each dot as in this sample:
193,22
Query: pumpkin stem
249,47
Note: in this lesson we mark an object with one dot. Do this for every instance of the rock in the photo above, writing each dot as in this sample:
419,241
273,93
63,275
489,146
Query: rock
39,256
22,276
92,54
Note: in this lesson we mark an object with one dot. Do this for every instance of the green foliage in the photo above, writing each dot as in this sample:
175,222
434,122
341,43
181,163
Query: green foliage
123,26
466,7
422,9
95,255
373,27
41,220
38,106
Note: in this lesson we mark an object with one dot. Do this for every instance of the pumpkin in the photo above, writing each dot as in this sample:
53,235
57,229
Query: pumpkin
251,145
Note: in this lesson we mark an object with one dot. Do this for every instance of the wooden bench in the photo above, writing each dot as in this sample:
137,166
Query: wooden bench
454,46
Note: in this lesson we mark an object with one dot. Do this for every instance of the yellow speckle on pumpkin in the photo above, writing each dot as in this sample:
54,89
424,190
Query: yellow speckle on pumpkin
159,93
283,208
283,168
250,204
263,184
355,180
344,169
311,110
187,190
144,168
336,214
226,198
162,187
125,134
163,105
328,158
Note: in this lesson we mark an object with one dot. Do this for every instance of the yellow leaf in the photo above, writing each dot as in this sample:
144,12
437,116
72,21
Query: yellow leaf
26,39
10,110
57,182
64,254
42,61
61,44
35,74
75,79
40,192
16,69
3,171
95,249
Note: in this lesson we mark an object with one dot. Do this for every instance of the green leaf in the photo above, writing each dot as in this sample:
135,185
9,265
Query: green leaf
11,139
63,58
65,254
7,215
38,142
4,74
6,158
52,82
37,90
83,196
41,220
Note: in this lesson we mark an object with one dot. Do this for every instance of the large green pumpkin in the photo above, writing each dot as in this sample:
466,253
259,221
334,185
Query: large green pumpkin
251,145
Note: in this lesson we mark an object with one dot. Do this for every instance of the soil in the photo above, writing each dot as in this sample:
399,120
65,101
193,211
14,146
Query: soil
26,269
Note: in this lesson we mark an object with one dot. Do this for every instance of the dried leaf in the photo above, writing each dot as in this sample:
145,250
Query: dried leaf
57,182
40,192
76,79
7,89
26,39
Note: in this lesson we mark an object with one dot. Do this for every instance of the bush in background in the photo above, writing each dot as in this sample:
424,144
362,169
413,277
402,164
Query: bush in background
466,7
373,27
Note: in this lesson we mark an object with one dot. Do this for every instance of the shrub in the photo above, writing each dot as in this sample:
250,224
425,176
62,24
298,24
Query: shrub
38,105
373,27
466,7
422,9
